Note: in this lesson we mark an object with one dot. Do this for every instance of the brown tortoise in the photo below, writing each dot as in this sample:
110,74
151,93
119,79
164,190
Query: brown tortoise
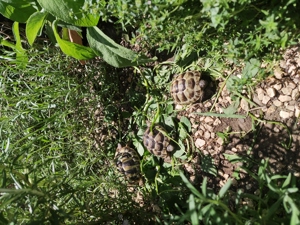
187,87
157,142
128,163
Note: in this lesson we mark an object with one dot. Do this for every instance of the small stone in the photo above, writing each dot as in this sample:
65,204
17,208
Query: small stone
291,85
284,114
277,86
298,61
256,100
276,129
208,120
284,98
217,122
264,109
278,72
265,99
199,143
207,104
207,135
271,92
228,99
220,141
290,107
260,93
199,133
226,176
178,107
292,70
277,103
271,109
282,63
248,186
297,111
244,105
287,91
208,128
212,135
295,94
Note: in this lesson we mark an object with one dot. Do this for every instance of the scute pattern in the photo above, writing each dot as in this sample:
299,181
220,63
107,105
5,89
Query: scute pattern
156,142
187,88
128,163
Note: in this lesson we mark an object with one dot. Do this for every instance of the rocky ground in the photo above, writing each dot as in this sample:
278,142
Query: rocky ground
270,129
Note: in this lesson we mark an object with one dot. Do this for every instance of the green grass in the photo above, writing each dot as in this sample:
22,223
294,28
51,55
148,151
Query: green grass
56,154
51,170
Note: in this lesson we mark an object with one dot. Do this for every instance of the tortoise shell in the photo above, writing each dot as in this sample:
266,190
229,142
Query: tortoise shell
128,163
157,142
187,87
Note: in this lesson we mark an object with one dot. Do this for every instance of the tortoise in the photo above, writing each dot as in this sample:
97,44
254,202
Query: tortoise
187,87
157,142
128,163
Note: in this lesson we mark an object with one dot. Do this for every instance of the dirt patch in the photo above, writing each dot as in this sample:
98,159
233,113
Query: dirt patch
270,129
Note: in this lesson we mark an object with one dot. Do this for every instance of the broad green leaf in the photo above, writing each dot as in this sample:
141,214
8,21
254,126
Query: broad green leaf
76,51
16,11
224,189
289,204
184,120
20,52
7,43
287,181
182,132
34,24
113,53
232,158
192,209
139,147
272,210
204,186
190,186
70,11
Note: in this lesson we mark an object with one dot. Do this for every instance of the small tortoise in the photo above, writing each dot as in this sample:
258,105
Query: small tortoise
157,142
187,87
128,163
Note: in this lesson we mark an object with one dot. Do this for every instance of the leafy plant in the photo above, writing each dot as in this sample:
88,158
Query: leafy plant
72,14
276,203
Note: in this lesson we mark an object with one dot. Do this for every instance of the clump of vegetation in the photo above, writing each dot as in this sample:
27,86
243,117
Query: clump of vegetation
60,123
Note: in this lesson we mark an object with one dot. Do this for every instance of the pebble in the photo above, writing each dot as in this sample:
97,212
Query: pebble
277,86
256,100
265,99
287,90
244,105
207,104
290,107
297,111
278,72
291,85
271,92
277,103
271,109
207,135
220,141
217,122
284,114
200,143
295,94
260,93
208,120
284,98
